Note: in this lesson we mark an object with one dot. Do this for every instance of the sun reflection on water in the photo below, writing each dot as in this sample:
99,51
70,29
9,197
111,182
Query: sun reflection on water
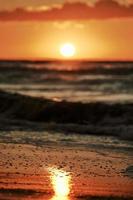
61,184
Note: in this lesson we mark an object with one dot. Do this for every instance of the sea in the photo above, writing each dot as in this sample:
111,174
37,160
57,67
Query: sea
69,81
79,93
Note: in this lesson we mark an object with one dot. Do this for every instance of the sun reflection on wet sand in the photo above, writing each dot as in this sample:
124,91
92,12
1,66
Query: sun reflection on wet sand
61,184
60,198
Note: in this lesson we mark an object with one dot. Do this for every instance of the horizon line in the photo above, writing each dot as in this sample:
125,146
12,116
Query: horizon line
62,60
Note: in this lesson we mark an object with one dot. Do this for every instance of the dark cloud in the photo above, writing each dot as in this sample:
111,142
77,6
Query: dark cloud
103,9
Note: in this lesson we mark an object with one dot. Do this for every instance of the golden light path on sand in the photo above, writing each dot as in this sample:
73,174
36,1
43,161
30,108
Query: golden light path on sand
61,182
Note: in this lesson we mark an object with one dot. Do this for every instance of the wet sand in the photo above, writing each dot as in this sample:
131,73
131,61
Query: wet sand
27,171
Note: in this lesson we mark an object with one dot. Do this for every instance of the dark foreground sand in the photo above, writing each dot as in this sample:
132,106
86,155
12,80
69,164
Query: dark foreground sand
30,172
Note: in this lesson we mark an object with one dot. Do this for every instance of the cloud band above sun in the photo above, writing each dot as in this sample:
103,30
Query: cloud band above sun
103,9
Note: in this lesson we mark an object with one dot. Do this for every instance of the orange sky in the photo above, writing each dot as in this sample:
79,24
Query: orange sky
106,32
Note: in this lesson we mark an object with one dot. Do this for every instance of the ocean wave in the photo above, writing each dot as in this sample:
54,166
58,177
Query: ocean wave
83,118
40,109
107,68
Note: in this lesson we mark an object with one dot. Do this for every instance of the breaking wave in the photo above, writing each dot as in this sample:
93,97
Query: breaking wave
84,118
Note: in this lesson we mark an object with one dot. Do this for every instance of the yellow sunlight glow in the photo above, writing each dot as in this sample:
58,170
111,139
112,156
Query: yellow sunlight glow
67,50
61,182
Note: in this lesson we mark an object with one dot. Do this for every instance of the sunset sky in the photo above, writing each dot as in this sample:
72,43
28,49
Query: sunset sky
36,29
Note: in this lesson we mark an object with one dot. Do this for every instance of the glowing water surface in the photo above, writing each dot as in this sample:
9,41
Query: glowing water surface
61,182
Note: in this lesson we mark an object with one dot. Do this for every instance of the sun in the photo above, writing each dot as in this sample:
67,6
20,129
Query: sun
67,50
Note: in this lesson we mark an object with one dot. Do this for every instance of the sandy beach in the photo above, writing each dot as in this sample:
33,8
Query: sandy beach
27,171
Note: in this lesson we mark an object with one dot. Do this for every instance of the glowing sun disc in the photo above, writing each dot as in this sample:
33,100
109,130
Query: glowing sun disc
67,50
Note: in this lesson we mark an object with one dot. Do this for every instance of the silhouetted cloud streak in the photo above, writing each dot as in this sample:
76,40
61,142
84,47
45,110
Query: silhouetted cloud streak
71,11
